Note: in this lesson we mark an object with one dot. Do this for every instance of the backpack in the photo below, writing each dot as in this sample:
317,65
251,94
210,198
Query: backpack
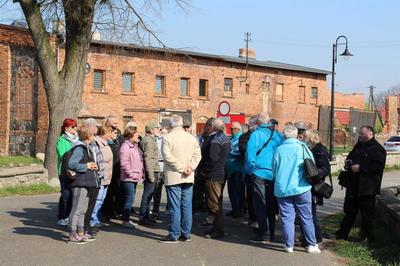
66,173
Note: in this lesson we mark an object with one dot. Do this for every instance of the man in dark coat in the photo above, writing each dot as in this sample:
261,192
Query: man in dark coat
215,152
365,166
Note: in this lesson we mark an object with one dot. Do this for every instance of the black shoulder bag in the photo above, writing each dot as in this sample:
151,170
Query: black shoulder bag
265,144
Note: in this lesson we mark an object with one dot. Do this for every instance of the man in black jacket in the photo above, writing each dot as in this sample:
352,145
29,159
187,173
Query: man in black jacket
215,152
365,166
243,139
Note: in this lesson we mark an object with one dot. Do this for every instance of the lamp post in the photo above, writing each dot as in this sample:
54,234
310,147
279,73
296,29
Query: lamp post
346,54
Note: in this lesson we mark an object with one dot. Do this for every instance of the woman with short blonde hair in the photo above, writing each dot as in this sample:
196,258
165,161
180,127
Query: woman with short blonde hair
312,137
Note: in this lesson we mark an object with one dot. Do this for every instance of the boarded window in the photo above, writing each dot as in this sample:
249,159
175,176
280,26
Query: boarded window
203,87
98,80
302,96
160,85
127,82
185,87
279,92
228,84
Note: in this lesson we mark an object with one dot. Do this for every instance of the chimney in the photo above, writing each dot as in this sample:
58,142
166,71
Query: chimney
250,53
96,36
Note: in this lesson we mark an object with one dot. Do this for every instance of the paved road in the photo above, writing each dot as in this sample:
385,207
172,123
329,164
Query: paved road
29,236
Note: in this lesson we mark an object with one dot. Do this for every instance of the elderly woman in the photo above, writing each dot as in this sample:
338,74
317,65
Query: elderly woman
292,190
67,138
321,156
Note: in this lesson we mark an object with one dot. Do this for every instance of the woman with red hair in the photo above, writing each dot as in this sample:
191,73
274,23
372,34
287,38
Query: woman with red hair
67,138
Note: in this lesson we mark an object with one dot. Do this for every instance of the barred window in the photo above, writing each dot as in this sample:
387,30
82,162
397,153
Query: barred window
128,82
98,79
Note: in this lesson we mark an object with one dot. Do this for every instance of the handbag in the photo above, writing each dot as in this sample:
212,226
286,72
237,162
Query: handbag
323,189
310,170
343,178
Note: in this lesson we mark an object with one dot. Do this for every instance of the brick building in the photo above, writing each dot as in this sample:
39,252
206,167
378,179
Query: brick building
141,83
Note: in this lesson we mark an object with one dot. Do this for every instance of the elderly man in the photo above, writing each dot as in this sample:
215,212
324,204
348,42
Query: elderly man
234,168
152,168
365,165
293,190
258,164
112,206
181,156
215,151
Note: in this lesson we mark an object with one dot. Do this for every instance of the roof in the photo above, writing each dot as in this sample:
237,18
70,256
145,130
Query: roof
223,58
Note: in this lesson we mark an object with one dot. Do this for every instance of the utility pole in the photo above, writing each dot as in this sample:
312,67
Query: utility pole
246,40
371,102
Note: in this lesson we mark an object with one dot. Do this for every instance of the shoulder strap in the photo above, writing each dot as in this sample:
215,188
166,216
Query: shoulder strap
265,144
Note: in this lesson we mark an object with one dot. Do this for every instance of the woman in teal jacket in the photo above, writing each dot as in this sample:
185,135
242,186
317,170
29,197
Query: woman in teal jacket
292,190
64,143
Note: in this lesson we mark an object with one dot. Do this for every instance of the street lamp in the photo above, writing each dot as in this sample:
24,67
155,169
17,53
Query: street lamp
346,55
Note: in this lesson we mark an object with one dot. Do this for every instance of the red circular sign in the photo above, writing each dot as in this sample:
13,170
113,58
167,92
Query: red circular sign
224,108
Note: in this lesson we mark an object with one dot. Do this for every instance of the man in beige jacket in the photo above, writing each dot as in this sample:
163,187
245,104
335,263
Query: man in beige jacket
181,156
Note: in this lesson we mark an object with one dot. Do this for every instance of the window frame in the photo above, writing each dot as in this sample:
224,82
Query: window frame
132,83
301,94
163,86
282,90
205,88
187,87
103,80
231,83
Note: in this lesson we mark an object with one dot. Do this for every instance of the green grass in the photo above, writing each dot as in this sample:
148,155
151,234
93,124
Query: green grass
28,190
10,161
384,251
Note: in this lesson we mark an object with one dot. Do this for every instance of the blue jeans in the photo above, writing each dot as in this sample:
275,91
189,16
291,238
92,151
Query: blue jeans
180,202
148,192
236,192
129,191
96,215
300,205
65,202
264,203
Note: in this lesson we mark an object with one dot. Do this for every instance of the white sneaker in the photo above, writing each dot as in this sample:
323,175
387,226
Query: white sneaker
62,222
254,225
289,250
313,249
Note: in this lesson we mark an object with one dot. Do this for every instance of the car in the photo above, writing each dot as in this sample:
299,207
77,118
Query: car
392,144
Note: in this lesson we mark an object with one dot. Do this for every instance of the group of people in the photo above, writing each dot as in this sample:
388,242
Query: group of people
262,167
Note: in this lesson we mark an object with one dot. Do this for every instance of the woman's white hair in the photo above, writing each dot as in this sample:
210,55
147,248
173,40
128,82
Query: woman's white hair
290,131
176,121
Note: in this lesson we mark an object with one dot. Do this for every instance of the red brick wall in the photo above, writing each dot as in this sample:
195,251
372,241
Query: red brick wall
5,75
350,100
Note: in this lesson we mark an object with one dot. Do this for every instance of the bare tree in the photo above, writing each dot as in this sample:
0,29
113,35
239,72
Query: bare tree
120,19
381,97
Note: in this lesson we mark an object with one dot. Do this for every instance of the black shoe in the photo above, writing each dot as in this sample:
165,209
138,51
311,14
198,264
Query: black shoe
258,240
145,222
215,235
169,240
183,238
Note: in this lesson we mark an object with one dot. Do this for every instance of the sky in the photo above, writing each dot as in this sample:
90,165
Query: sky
290,31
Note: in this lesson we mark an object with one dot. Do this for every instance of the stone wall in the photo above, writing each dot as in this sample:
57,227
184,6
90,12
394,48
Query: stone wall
388,208
25,175
392,159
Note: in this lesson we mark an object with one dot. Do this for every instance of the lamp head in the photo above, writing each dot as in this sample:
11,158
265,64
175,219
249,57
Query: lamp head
346,54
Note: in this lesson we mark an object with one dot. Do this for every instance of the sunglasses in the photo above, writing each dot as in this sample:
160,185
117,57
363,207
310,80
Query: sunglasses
234,128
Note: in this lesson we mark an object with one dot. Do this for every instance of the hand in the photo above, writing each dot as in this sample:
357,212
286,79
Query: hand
91,166
355,168
188,170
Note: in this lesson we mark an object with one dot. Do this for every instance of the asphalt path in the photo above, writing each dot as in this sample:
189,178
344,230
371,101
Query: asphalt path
29,236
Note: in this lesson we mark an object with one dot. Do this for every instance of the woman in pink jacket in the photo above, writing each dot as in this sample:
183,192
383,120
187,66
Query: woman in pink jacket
131,171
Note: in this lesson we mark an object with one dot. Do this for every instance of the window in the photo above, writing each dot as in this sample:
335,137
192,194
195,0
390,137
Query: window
160,85
265,86
247,88
302,96
314,93
228,84
185,87
98,80
279,92
127,82
203,88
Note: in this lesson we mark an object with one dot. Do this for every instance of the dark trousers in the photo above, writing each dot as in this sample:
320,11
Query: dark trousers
364,204
147,196
236,192
113,202
265,207
214,190
158,193
199,193
92,195
249,198
65,201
